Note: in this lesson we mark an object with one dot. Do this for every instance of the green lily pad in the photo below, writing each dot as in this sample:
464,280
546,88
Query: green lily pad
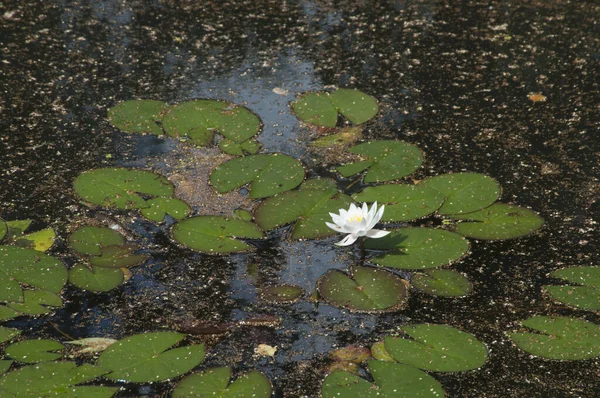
242,214
17,228
418,248
32,268
91,240
309,207
559,338
41,240
146,357
33,351
36,302
121,188
200,119
5,365
138,116
212,234
284,293
365,290
402,202
379,352
239,149
347,136
160,207
386,160
439,348
267,174
118,257
442,282
54,379
321,109
215,383
464,192
392,380
3,229
8,313
499,221
584,294
8,333
97,279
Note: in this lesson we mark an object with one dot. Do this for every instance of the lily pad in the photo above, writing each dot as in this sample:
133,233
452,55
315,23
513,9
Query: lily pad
499,221
442,282
309,207
118,257
346,136
138,116
215,383
36,302
392,380
97,279
8,333
559,338
91,240
284,293
379,352
439,348
33,351
585,291
146,357
267,174
212,234
418,248
239,149
3,229
464,192
160,207
200,119
365,290
386,160
5,365
402,202
322,108
17,227
121,188
41,240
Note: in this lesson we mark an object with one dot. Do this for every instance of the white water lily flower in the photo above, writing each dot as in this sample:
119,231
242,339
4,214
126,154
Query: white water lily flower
357,222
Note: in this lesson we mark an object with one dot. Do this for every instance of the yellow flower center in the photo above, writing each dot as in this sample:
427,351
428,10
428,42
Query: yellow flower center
356,218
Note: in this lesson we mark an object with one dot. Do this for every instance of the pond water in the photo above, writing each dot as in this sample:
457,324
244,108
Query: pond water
504,88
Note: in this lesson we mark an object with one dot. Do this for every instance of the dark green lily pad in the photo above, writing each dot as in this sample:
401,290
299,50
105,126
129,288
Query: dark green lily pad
8,313
121,188
17,227
309,207
418,248
97,279
118,257
33,351
559,338
499,221
146,357
267,174
439,348
5,365
284,293
242,214
402,202
321,109
91,240
386,160
212,234
160,207
36,302
8,333
464,192
200,119
239,149
442,282
392,380
138,116
585,291
54,379
366,290
3,229
215,383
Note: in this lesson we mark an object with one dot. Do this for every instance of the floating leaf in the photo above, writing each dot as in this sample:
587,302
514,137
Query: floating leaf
439,348
160,207
17,227
4,366
138,116
91,240
121,188
97,279
3,229
281,293
354,354
499,221
35,302
392,380
586,295
39,240
387,160
402,202
309,207
233,148
8,313
200,119
366,290
379,352
144,357
322,108
242,214
33,351
268,174
464,192
8,333
559,338
212,234
442,282
92,344
265,350
118,257
346,136
215,383
418,248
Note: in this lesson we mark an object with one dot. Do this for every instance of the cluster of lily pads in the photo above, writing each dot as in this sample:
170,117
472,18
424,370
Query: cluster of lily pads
285,203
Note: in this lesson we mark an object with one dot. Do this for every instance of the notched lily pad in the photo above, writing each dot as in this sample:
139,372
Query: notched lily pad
215,383
122,256
386,160
8,333
365,290
138,116
97,279
559,338
284,293
499,221
33,351
584,292
36,302
41,240
442,282
322,108
239,149
418,248
160,207
90,240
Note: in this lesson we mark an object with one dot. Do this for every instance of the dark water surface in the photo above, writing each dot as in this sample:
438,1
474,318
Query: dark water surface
455,77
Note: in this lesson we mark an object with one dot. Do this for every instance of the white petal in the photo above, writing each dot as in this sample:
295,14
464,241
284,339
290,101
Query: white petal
377,233
337,219
335,227
365,210
380,214
352,208
343,213
348,240
373,210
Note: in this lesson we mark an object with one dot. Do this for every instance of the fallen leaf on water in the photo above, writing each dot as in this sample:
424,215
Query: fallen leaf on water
265,350
92,344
